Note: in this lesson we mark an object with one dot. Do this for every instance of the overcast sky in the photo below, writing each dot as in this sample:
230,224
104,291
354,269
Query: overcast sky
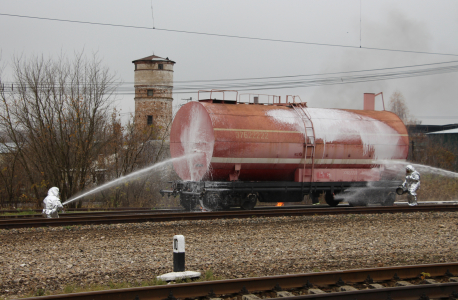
411,26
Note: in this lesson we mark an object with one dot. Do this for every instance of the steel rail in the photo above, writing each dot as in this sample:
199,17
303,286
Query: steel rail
73,213
81,209
416,292
154,217
94,213
81,212
296,281
111,211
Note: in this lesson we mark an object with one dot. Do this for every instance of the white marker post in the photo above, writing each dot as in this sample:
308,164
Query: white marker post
178,262
178,253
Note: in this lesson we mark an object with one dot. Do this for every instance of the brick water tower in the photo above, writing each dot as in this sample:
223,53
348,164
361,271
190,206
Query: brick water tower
153,92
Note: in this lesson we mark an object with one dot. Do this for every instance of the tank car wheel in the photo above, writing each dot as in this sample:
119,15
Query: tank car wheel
187,202
329,198
212,201
389,200
249,202
224,203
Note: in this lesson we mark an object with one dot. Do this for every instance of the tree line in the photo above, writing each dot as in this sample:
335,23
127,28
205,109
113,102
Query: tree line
430,150
59,127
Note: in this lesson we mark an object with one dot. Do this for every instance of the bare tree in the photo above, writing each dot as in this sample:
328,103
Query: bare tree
126,153
11,174
399,107
132,148
58,116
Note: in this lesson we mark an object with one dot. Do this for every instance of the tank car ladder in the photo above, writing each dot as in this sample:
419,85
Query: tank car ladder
301,110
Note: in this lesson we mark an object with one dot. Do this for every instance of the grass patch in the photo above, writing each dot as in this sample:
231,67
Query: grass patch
69,289
209,276
73,288
19,213
40,292
435,188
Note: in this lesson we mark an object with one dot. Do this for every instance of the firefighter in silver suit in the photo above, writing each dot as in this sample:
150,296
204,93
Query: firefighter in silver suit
411,184
52,204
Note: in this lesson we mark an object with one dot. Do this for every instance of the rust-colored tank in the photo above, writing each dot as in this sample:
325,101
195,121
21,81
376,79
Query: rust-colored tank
288,142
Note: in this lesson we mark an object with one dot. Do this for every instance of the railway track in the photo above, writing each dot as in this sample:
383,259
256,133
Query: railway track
70,214
110,212
82,209
137,217
432,281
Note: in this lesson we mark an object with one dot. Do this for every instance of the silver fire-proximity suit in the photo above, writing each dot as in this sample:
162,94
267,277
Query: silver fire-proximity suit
52,203
411,184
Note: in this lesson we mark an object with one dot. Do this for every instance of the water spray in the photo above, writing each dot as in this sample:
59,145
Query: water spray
419,167
131,176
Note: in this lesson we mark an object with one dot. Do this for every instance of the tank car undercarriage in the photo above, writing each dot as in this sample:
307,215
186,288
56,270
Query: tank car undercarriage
214,195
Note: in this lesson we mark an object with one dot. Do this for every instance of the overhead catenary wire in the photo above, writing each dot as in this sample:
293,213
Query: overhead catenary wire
316,74
336,73
334,80
293,76
228,35
152,12
258,79
290,84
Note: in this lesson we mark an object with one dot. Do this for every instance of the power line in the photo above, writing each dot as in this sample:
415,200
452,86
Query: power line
275,84
317,74
229,36
280,77
310,82
323,81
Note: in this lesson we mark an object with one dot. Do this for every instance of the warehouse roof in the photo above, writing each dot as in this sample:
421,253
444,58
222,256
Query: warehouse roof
449,131
418,128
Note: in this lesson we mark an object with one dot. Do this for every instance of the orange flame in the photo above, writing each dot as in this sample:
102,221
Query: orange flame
280,204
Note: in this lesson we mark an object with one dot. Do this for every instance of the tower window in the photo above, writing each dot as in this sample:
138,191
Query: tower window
161,67
150,120
150,93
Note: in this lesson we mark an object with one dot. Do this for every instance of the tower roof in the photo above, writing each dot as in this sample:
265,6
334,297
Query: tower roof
153,58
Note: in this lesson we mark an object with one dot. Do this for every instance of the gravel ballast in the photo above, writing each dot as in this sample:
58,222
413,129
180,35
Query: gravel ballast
51,258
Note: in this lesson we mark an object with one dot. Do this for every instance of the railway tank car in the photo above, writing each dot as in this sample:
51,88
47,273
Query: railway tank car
234,153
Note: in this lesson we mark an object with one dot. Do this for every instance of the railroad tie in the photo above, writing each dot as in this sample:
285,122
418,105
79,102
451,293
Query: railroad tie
347,288
376,286
250,297
430,281
403,283
316,291
282,294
